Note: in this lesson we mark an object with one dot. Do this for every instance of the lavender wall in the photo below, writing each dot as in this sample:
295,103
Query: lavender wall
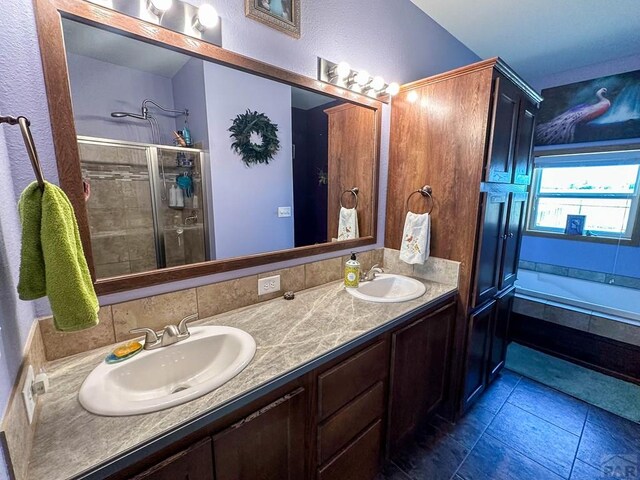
188,92
394,39
246,199
99,88
597,257
16,316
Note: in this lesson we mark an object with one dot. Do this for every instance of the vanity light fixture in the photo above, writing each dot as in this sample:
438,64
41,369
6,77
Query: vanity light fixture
362,78
342,75
202,23
206,18
341,71
378,84
158,7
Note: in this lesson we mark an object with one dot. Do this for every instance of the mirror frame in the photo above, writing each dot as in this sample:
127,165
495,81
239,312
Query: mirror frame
49,14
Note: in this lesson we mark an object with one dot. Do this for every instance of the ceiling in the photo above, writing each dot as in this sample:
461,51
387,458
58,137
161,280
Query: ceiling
542,37
88,41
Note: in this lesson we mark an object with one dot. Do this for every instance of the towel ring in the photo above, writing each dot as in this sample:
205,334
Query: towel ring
426,192
353,191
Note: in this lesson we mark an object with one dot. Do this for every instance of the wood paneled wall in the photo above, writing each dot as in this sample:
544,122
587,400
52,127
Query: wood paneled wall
352,144
438,138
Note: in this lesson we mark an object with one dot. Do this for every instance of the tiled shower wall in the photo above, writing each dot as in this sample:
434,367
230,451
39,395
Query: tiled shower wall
120,213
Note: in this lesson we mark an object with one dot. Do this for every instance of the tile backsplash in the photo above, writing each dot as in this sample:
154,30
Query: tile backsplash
158,311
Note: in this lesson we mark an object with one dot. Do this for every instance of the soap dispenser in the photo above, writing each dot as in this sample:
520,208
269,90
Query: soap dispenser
352,272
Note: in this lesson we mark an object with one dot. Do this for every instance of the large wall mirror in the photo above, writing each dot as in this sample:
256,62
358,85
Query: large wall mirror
154,116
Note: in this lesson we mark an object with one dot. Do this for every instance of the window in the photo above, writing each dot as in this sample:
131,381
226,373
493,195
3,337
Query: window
604,187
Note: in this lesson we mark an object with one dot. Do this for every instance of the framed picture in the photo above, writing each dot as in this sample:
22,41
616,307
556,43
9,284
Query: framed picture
283,15
605,108
575,224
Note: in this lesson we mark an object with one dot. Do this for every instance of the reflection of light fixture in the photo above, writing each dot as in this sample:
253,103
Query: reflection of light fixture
207,17
362,78
377,83
341,71
412,97
393,89
158,7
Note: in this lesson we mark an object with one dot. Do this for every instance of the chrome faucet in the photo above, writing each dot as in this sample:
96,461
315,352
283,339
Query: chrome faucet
371,274
170,334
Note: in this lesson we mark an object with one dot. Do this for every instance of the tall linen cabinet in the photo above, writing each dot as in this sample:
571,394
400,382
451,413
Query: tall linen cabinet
467,133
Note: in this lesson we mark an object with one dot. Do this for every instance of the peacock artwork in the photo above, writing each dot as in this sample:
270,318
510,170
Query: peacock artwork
606,108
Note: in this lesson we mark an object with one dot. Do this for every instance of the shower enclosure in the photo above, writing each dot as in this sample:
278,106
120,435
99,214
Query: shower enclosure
133,227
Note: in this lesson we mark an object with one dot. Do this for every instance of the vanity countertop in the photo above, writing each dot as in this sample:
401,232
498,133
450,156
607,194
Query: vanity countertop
292,338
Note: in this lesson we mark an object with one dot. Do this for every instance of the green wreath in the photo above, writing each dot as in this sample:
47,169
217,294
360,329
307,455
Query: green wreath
252,153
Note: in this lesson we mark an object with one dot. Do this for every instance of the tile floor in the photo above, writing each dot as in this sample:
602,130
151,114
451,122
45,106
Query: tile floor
521,429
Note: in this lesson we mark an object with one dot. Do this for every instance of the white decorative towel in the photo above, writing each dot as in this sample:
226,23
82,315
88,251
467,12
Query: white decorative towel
348,224
416,238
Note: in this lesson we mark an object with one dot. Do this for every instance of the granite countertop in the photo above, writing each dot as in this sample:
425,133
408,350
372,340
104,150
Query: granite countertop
70,441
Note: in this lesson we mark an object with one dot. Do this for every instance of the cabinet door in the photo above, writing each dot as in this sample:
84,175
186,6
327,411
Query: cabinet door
268,444
523,157
487,274
477,353
195,463
512,239
506,102
499,334
419,364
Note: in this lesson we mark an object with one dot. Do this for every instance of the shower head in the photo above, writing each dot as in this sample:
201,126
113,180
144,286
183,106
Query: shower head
127,114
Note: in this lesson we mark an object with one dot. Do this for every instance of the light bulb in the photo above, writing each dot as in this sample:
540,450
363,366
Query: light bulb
343,70
158,7
207,17
362,78
377,83
393,89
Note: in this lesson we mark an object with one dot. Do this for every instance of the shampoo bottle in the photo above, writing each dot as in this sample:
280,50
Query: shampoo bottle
352,272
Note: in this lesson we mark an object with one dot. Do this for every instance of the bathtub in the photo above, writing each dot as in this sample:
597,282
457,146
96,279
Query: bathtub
617,303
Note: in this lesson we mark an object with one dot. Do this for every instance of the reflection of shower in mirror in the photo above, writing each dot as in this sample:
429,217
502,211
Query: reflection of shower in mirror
156,134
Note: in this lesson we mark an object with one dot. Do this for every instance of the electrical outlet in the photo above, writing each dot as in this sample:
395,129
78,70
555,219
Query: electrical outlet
268,285
27,394
284,211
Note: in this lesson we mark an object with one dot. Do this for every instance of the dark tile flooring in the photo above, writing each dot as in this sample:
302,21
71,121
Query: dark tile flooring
521,429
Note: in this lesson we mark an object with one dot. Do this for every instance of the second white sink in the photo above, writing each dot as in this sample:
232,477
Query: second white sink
157,379
389,288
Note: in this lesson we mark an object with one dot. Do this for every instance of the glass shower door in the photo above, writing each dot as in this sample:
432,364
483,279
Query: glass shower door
180,196
120,207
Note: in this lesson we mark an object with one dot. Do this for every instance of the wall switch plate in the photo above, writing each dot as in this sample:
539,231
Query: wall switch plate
284,211
268,285
27,394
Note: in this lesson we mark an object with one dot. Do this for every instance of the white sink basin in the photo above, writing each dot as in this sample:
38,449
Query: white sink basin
157,379
389,288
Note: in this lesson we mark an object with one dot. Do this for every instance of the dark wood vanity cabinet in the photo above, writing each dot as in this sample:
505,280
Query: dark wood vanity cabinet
480,324
500,238
487,346
268,444
194,463
499,333
334,423
468,133
418,371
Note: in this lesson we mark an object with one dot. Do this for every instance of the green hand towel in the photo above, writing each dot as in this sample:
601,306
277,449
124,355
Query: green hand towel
53,261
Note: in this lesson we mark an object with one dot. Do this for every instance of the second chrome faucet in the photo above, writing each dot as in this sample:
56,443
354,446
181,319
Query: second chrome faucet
170,334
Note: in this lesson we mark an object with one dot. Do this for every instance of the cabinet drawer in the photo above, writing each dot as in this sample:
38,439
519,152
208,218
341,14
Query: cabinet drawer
359,460
336,432
345,381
